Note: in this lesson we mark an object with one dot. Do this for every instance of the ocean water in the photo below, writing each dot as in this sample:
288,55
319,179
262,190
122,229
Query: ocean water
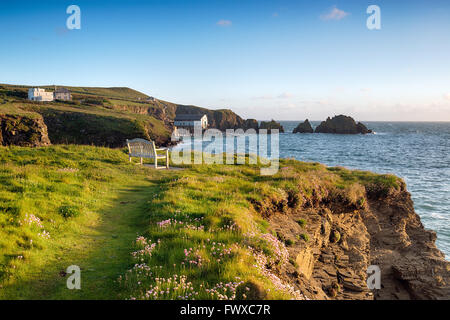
418,152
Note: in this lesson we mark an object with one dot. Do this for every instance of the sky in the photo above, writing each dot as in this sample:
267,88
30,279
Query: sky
283,60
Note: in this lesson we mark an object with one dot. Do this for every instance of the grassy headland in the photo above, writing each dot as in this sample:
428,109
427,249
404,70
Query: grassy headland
107,116
198,233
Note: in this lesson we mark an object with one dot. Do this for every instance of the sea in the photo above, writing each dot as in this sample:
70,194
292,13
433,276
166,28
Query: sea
418,152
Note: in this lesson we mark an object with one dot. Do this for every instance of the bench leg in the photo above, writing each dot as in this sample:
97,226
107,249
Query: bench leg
141,160
167,159
156,163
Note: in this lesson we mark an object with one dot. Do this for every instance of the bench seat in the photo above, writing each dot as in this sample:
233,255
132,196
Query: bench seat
142,148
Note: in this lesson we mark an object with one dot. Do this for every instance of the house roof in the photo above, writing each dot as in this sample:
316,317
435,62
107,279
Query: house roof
189,117
62,90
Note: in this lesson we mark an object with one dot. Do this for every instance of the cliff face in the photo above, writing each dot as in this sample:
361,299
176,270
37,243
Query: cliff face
219,119
108,116
333,242
23,131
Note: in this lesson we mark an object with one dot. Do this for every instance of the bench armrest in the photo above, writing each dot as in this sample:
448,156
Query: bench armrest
161,149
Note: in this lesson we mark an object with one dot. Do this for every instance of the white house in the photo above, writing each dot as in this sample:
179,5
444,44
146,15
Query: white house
37,94
62,94
189,121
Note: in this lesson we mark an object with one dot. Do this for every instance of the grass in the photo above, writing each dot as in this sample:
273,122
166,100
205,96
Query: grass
99,116
112,93
9,109
82,124
139,233
85,200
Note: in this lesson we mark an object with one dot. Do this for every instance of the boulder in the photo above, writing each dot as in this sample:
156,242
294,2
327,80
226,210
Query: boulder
342,125
304,127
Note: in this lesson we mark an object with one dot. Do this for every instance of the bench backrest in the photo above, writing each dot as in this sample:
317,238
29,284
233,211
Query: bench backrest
141,148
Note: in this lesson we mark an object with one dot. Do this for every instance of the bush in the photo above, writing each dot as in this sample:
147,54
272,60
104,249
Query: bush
304,237
301,222
293,198
68,211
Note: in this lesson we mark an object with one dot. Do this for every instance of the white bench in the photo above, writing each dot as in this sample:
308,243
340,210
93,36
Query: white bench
146,149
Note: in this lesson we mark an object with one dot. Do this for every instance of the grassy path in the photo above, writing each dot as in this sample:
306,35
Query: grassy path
101,246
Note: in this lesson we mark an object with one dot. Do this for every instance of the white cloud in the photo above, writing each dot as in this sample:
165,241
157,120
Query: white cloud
285,95
224,23
334,14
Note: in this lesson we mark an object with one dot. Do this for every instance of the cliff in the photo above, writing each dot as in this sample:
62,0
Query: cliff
108,116
26,129
344,231
221,119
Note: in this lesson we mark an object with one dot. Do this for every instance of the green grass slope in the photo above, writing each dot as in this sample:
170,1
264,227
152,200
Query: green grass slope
91,118
139,233
128,101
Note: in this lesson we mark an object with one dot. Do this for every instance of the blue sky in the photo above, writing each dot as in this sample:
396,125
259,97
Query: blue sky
263,59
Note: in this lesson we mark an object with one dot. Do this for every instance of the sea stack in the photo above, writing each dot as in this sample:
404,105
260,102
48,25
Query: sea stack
271,125
251,124
342,125
304,127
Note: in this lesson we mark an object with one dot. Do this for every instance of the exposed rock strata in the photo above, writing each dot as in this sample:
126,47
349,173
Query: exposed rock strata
344,240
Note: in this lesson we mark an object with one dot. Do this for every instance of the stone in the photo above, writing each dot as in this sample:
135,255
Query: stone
342,125
304,127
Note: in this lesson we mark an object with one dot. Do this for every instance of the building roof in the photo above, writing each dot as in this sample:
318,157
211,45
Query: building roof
189,117
62,90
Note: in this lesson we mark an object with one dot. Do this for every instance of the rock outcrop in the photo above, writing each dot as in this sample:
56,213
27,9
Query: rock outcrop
271,125
23,130
333,247
251,124
304,127
342,125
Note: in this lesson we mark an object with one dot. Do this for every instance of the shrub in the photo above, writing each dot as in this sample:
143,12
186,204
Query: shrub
68,211
304,237
301,222
293,198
